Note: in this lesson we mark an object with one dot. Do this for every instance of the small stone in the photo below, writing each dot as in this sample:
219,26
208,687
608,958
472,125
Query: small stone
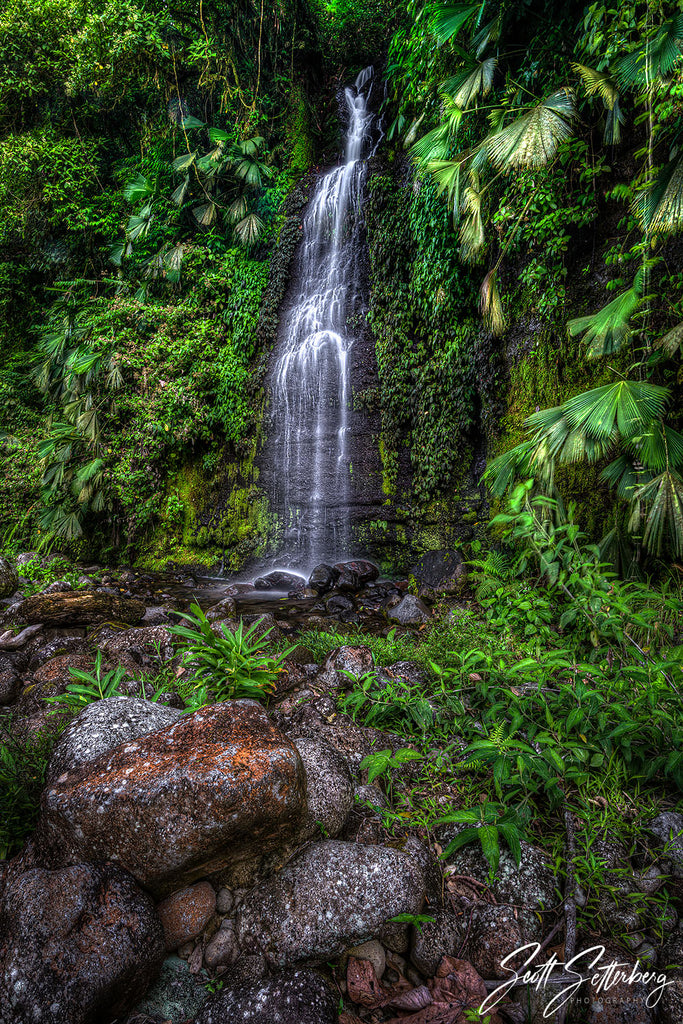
410,611
372,951
221,950
224,901
177,996
185,914
432,941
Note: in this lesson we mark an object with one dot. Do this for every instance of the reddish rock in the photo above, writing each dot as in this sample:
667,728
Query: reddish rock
77,946
186,913
81,607
218,787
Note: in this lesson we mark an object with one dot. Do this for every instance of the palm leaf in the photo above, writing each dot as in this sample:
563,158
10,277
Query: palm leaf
249,229
659,208
649,65
137,189
192,122
178,196
672,340
533,139
599,83
491,305
607,331
626,408
623,475
447,21
490,33
205,214
472,236
182,163
473,83
660,447
664,496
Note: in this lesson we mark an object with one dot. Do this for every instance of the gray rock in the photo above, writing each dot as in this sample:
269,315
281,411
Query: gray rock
27,556
356,660
224,609
410,611
668,827
156,615
9,578
366,571
177,995
329,788
533,885
77,946
330,896
103,725
57,587
432,941
279,581
299,997
224,900
670,1006
221,950
322,578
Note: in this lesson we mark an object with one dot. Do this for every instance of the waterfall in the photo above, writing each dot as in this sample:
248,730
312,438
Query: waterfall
310,386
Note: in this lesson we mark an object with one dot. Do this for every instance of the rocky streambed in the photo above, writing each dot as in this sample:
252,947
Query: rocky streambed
231,864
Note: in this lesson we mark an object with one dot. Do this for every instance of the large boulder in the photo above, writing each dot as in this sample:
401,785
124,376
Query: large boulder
329,789
410,611
443,571
323,578
82,607
103,725
218,787
279,580
9,578
328,897
299,997
364,570
77,946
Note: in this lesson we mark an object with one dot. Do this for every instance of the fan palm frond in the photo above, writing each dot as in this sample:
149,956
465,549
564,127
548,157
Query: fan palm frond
533,139
625,408
650,64
182,163
205,214
672,340
178,195
447,21
659,208
489,33
138,189
249,229
604,85
664,521
607,331
476,81
472,236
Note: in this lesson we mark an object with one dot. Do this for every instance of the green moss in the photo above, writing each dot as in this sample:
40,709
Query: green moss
300,139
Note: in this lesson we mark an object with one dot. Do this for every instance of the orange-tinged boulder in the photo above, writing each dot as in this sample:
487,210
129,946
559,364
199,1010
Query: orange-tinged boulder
216,788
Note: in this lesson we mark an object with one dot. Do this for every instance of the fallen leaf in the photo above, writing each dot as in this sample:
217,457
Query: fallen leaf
362,984
415,999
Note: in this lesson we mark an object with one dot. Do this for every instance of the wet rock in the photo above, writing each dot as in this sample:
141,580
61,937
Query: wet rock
224,609
300,655
9,578
408,670
77,946
266,626
238,589
185,914
156,615
438,569
494,933
410,611
45,650
177,996
221,950
329,788
217,787
338,603
323,578
670,1006
57,587
445,936
279,581
298,997
354,742
668,828
356,660
348,581
329,896
103,725
27,556
532,886
10,684
147,646
366,571
82,607
224,900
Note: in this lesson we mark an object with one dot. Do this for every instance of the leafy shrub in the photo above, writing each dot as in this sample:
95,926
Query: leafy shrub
227,666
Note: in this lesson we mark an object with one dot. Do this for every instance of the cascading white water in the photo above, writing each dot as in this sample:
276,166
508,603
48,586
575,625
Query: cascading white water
310,389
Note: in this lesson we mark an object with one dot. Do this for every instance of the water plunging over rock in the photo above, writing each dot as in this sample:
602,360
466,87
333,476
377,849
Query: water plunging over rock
309,443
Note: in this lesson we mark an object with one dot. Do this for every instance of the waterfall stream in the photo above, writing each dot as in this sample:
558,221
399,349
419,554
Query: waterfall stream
310,386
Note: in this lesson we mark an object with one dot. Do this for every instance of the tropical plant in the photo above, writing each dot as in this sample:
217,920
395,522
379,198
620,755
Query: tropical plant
227,665
489,824
23,764
90,686
622,420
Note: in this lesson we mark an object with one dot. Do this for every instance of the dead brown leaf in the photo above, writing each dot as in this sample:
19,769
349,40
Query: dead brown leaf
362,984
